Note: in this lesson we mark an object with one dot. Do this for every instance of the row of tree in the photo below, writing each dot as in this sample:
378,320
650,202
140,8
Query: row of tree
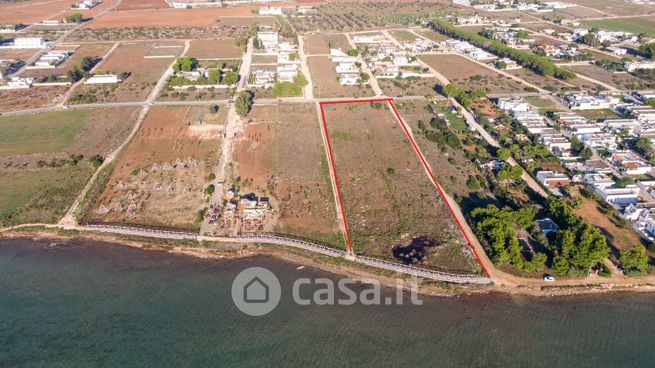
539,64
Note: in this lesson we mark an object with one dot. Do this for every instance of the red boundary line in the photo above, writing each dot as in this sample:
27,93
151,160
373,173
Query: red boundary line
418,152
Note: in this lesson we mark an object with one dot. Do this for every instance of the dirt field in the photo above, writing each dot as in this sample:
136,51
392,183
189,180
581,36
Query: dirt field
21,99
169,17
613,7
432,35
548,83
161,177
38,180
327,85
624,81
144,74
320,44
34,11
469,75
393,210
20,54
143,5
214,49
281,155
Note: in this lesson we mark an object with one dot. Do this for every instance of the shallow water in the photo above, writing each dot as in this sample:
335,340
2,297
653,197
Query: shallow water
86,303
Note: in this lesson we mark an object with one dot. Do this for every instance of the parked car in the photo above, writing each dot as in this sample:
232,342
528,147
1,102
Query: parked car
549,278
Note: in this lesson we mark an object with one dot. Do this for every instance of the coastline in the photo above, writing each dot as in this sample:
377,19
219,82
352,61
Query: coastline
238,251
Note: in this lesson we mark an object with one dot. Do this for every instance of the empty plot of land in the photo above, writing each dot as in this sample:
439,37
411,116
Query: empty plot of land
623,81
470,75
160,178
143,5
321,44
409,86
44,159
93,50
636,25
21,99
392,209
168,17
326,82
143,75
548,83
34,11
214,49
241,22
432,35
614,7
285,160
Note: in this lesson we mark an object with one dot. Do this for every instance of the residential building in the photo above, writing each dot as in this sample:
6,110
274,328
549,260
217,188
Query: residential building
552,178
103,79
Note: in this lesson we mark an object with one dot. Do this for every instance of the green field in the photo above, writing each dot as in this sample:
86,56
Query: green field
39,196
634,25
40,133
402,35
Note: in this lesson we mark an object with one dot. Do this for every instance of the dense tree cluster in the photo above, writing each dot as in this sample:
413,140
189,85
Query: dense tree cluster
498,228
465,98
539,64
578,244
185,64
243,103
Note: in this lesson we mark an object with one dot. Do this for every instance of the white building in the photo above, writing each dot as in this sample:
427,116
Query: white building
269,10
548,178
268,39
581,101
51,59
103,79
636,65
85,5
17,82
29,43
619,196
598,180
513,104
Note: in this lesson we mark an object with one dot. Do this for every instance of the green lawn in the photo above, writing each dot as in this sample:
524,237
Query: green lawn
601,114
403,35
39,133
635,25
39,196
539,102
457,123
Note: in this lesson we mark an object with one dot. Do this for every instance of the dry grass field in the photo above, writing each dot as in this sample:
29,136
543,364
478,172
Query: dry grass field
327,85
393,210
34,11
280,154
160,179
409,87
20,99
144,74
39,178
624,81
169,17
143,5
320,44
469,75
214,49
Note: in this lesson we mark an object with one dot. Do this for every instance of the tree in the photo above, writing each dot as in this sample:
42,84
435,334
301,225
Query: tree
213,76
635,259
560,265
650,102
185,64
243,103
624,182
352,52
213,109
364,76
73,18
503,154
300,80
230,78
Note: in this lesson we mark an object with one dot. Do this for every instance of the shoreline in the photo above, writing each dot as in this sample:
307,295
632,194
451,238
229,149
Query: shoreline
352,270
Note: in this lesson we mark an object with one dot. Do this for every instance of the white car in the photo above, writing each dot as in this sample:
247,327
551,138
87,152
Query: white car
549,278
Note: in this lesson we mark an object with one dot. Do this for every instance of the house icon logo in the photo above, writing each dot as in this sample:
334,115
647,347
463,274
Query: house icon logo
256,291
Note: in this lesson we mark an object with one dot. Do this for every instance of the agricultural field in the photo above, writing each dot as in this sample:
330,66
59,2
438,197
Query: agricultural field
431,35
160,178
127,58
169,17
281,155
45,159
326,83
624,81
409,86
143,5
320,44
21,99
402,35
214,49
35,11
634,25
469,75
613,7
392,209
